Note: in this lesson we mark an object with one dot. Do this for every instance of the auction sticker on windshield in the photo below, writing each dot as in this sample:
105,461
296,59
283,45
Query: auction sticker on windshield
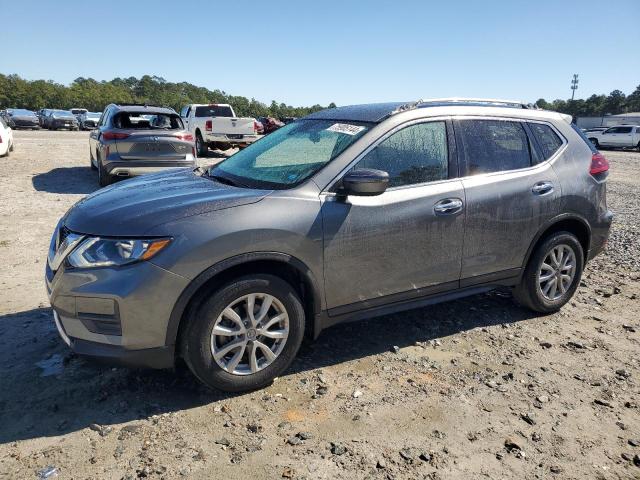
345,128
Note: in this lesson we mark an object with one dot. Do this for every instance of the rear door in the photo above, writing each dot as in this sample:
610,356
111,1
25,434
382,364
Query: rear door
511,191
406,242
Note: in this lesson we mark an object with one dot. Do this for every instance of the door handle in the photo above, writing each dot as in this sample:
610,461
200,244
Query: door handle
542,188
448,206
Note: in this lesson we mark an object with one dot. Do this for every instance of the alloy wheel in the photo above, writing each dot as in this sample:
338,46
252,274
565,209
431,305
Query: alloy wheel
249,334
557,272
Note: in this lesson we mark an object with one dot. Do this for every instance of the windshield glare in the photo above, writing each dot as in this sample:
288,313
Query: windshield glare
291,154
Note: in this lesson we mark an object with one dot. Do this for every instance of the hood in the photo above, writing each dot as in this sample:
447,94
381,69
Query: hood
133,207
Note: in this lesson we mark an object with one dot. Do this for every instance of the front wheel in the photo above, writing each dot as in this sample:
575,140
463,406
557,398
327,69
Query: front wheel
552,274
245,334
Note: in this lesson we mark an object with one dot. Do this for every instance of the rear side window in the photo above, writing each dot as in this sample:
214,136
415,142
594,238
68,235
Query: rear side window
584,138
493,146
415,154
214,111
548,140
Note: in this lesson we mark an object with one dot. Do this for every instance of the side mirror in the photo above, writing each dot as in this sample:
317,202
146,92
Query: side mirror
365,182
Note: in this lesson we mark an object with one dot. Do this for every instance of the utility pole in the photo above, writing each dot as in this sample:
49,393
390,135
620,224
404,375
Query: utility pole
574,85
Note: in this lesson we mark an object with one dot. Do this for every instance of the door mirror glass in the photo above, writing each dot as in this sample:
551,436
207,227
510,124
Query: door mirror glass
365,182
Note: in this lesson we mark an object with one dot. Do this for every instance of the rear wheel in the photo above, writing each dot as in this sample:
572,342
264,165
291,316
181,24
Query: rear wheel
245,334
93,166
552,274
104,178
201,146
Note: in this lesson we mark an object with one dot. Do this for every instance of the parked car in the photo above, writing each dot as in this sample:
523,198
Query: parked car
270,124
6,138
42,114
594,129
61,119
216,125
22,118
89,120
345,214
132,140
620,136
7,118
77,112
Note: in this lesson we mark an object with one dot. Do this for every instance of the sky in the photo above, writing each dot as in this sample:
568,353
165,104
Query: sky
347,51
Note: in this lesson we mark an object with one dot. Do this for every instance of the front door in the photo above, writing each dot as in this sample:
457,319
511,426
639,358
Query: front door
406,242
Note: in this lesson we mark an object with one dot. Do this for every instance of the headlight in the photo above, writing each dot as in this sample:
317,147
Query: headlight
110,252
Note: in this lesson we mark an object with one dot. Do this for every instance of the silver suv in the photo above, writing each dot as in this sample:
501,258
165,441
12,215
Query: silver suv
132,140
345,214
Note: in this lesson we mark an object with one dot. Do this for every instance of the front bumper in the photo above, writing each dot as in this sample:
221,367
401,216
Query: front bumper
119,315
64,124
25,124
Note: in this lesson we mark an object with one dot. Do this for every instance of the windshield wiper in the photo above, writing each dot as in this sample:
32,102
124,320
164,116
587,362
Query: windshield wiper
225,180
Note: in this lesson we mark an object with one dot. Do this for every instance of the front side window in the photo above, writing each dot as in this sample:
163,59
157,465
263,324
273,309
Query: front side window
415,154
547,138
291,154
493,146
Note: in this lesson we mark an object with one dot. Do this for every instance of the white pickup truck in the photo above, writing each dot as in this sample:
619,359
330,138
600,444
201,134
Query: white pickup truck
216,125
620,136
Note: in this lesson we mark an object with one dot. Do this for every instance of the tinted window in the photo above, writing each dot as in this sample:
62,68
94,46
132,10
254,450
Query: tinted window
493,146
415,154
147,120
624,129
547,138
214,111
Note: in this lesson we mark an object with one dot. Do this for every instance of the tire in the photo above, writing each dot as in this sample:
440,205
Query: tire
201,146
595,142
11,147
104,179
93,167
638,146
530,291
197,343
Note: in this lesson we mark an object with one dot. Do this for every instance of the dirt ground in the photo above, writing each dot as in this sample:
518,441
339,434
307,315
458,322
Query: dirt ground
477,388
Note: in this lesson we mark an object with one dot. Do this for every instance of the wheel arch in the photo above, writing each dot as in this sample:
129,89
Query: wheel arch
570,223
285,266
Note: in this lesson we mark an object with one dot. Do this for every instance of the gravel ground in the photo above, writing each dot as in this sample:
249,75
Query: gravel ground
477,388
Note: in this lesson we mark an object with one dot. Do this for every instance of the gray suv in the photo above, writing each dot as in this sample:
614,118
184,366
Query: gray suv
132,140
345,214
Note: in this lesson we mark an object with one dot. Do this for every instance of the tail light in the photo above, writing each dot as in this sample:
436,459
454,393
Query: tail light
114,135
209,125
599,164
187,137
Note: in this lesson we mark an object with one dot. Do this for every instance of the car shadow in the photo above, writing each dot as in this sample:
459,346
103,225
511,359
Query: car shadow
67,180
48,391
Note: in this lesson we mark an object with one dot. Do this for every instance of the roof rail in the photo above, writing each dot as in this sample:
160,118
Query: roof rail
478,102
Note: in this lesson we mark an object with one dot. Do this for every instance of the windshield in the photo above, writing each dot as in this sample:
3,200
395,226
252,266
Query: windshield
291,154
93,115
20,111
63,114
